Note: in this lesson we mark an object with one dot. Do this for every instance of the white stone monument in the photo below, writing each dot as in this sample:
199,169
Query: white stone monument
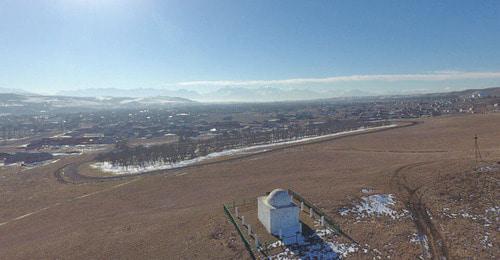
280,216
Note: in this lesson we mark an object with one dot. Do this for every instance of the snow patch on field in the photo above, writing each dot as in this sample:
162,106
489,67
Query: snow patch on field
488,168
62,154
422,240
324,247
490,216
14,139
489,221
374,205
154,166
367,190
39,164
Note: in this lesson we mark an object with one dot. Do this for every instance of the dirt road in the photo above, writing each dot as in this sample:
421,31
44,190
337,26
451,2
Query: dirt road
434,246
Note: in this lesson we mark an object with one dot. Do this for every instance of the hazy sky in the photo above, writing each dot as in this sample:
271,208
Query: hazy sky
52,45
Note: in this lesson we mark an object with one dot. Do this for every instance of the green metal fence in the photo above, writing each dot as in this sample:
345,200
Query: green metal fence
319,212
243,238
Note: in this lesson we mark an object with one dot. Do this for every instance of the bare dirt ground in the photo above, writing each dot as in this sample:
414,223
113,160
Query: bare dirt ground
429,168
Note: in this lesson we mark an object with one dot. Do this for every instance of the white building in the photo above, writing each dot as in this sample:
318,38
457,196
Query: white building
280,216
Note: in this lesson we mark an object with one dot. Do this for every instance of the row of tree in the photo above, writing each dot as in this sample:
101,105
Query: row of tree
187,148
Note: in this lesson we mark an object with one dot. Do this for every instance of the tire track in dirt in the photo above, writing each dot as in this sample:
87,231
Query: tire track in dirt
68,201
437,248
389,151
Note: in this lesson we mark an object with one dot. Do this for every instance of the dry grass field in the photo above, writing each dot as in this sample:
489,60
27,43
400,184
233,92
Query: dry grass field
429,168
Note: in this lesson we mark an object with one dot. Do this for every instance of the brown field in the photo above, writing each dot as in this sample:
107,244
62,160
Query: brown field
178,214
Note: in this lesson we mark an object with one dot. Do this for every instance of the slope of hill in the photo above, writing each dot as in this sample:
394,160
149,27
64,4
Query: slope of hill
178,214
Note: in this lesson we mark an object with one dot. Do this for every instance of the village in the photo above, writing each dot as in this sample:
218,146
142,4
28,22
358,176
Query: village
215,127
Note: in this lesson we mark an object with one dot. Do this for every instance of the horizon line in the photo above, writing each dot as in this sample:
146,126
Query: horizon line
434,76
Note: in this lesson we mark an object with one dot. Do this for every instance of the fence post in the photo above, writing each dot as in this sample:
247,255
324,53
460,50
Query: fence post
236,211
249,229
327,219
322,220
301,206
245,241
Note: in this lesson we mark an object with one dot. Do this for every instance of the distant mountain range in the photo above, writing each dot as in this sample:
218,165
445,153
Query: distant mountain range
226,94
137,92
13,91
260,94
28,103
114,97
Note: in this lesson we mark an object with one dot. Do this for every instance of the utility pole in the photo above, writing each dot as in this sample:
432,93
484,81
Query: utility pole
477,152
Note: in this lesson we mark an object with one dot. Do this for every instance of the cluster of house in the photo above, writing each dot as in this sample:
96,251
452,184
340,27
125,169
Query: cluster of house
24,158
70,139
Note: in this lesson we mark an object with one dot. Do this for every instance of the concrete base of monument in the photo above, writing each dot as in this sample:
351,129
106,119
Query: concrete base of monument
291,239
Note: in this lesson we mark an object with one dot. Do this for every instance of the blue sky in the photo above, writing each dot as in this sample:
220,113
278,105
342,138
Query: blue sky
53,45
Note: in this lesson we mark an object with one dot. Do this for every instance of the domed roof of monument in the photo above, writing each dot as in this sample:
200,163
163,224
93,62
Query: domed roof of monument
279,198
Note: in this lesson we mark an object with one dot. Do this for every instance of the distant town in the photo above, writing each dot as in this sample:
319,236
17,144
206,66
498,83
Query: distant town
206,128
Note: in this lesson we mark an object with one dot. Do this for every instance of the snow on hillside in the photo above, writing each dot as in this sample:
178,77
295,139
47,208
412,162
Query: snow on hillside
325,246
